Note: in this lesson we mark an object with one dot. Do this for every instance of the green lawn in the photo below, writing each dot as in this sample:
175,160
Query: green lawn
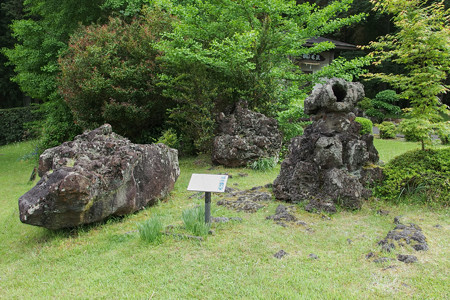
109,261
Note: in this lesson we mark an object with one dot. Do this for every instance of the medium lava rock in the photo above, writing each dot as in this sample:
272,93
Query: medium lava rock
99,174
244,137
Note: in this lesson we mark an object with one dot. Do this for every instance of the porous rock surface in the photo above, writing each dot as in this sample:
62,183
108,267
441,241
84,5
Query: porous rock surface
331,162
99,174
245,136
404,235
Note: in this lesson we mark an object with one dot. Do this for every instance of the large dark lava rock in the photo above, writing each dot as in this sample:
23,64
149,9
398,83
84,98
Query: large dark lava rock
97,175
331,163
245,136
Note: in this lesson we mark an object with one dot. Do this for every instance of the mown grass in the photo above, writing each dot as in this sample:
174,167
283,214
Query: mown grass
109,260
388,149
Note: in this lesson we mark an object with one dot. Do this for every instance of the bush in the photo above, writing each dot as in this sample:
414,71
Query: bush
443,131
169,138
366,125
151,231
381,105
109,74
58,126
194,221
387,130
13,124
415,130
418,175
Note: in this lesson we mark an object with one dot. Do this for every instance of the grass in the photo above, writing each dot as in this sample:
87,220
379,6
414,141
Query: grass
151,230
194,220
109,260
388,149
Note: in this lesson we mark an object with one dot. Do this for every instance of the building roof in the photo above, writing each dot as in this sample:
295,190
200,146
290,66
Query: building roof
339,45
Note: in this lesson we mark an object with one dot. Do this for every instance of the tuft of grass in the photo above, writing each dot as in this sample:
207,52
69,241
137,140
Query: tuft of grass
194,221
264,164
150,231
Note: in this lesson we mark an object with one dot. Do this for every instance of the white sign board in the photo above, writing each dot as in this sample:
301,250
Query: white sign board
208,183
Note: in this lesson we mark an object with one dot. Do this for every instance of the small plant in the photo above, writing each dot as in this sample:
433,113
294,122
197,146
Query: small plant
151,230
387,130
194,221
169,138
366,125
264,164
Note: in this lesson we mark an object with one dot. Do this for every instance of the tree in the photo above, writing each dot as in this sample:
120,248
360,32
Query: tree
109,74
422,47
41,36
10,94
224,51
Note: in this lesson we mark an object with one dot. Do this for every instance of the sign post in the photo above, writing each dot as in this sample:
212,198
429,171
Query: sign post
208,183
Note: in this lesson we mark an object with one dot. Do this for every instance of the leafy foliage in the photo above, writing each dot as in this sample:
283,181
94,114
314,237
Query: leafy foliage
109,74
366,125
387,130
381,106
13,124
423,172
10,94
58,126
442,129
415,130
40,38
421,46
221,52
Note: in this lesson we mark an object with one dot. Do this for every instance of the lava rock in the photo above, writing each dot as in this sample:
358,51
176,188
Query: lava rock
407,259
282,214
244,137
403,235
280,254
331,163
99,174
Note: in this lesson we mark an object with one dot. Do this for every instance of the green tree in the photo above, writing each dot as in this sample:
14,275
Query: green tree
109,74
10,94
41,36
422,47
224,51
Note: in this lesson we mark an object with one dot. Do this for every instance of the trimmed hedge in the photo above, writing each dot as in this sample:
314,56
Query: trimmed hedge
12,123
418,175
366,125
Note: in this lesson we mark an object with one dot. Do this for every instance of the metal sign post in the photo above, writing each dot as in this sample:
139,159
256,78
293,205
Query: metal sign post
208,183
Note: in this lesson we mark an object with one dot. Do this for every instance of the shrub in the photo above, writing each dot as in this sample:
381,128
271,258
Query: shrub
151,230
109,75
13,124
415,130
443,131
418,175
169,138
366,125
264,164
59,125
387,130
381,105
194,221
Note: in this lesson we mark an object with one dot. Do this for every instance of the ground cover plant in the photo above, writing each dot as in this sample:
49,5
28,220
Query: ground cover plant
109,260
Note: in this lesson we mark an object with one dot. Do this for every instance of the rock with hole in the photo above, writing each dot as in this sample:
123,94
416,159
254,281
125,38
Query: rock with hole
332,163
